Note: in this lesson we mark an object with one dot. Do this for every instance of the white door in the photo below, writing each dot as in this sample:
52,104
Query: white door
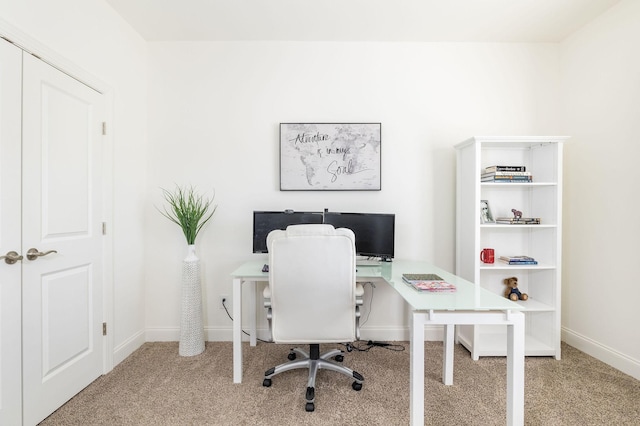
60,224
10,273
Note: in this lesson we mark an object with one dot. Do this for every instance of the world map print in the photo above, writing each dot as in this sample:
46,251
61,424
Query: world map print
330,156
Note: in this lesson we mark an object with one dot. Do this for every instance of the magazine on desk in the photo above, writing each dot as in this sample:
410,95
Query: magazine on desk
428,282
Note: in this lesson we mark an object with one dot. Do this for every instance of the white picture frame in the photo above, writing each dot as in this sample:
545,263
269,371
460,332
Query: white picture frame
330,156
485,212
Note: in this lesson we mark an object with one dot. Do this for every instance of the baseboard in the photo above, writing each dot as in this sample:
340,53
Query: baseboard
603,353
127,347
225,334
162,334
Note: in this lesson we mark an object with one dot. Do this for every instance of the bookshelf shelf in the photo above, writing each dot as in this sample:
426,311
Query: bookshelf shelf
533,305
506,267
494,341
540,198
505,226
512,184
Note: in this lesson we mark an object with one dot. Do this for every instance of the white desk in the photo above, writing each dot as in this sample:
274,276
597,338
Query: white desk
470,304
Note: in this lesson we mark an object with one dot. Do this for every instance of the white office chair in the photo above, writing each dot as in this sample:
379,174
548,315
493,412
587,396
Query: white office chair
312,298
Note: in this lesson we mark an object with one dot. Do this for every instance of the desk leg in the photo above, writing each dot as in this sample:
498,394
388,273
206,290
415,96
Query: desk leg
252,313
416,370
515,370
237,330
447,364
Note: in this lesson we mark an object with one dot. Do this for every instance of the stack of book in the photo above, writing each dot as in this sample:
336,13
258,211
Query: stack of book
428,282
506,174
519,220
518,260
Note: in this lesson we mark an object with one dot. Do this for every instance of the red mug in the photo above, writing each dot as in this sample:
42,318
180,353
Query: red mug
487,255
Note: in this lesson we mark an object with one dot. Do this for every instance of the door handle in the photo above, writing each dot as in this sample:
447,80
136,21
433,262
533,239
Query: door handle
11,257
34,253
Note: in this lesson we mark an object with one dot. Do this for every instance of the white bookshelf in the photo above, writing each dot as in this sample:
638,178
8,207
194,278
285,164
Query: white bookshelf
542,156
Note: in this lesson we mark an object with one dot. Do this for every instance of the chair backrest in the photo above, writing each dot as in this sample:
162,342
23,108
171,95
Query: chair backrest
312,273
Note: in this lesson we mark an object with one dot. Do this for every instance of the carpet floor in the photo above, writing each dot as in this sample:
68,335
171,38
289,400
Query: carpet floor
155,386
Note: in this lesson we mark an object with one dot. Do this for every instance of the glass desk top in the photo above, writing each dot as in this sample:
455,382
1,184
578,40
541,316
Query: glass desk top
467,296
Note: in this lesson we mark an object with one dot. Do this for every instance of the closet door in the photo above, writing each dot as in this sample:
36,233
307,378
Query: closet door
10,308
62,222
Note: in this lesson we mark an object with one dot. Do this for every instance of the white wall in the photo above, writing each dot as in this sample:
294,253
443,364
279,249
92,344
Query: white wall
601,90
214,110
89,35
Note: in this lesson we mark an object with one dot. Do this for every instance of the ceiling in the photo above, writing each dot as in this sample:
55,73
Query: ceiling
359,20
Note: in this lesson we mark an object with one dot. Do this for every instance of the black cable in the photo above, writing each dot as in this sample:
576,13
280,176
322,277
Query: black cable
230,317
361,346
370,343
370,302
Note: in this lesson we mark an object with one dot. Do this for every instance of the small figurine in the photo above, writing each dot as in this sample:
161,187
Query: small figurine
517,214
512,292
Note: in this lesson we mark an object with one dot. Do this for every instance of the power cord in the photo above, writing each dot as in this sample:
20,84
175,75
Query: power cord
373,286
224,300
360,346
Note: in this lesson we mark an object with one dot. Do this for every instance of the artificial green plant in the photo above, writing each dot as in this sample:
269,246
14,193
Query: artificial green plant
188,209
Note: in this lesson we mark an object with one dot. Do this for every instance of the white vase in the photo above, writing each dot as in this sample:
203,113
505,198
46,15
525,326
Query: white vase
191,326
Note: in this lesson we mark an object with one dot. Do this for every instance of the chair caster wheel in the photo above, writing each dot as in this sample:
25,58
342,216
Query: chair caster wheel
339,358
266,383
291,356
356,386
309,407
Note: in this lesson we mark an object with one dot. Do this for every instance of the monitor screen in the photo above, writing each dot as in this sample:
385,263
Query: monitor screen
266,221
375,232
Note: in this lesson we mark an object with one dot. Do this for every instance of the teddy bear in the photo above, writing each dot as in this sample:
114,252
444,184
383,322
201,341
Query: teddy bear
512,292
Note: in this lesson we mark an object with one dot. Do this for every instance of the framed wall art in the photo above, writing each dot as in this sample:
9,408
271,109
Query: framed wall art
330,156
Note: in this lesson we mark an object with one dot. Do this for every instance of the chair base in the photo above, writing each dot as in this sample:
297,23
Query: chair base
313,361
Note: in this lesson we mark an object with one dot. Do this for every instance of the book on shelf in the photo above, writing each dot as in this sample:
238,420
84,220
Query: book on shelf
428,282
518,260
504,169
519,221
507,178
498,174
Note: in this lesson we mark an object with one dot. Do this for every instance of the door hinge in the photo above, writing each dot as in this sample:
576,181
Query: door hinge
104,127
104,328
104,228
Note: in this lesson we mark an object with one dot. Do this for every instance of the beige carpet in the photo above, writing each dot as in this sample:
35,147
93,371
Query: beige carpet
155,386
